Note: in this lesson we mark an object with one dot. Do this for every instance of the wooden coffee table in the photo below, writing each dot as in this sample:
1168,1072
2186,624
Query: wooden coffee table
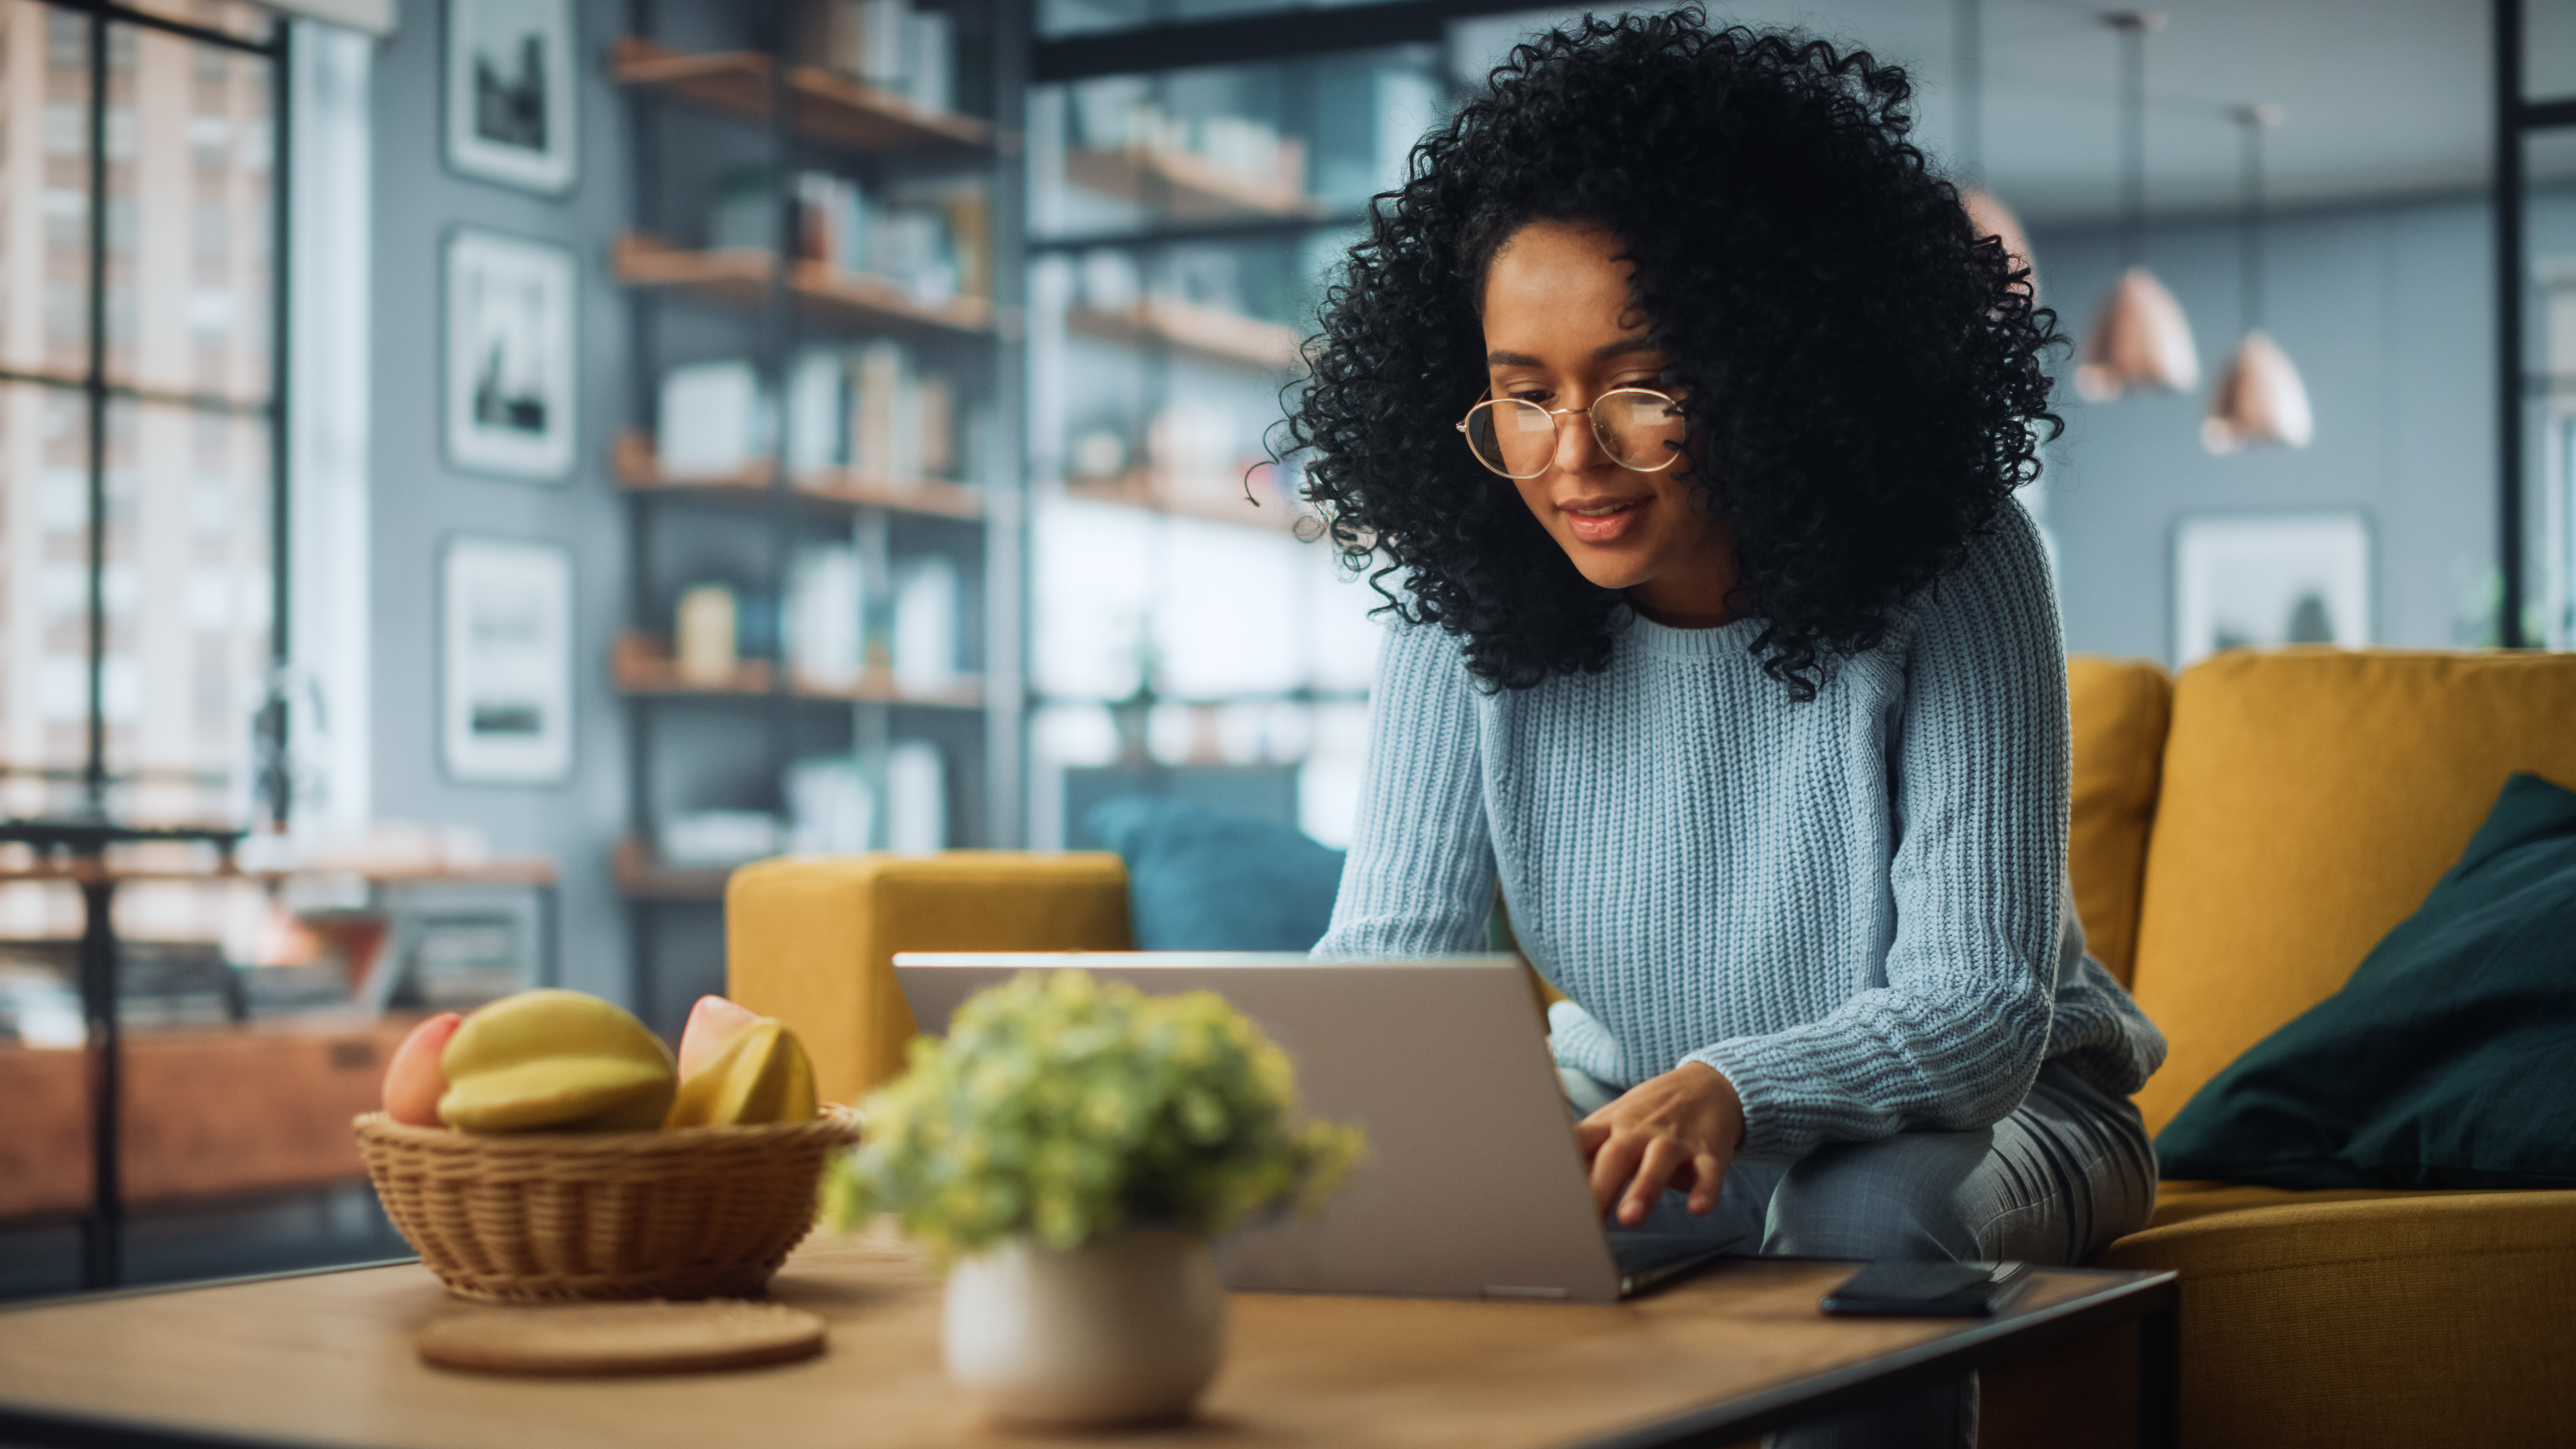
327,1359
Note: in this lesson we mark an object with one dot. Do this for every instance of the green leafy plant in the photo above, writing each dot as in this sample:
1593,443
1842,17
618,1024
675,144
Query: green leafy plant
1059,1107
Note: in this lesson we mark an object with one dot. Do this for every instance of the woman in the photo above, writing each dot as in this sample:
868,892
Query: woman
1680,411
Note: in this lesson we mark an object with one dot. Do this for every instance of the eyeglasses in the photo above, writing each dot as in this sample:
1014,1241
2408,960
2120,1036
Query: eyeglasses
1640,428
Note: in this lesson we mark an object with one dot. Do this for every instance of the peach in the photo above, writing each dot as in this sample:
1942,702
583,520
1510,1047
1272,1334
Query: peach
415,1081
712,1023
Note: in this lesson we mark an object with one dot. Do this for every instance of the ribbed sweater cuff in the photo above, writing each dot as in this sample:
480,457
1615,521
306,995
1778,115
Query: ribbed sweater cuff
1781,1121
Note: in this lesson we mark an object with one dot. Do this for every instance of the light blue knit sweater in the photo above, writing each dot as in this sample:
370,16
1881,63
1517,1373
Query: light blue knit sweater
1856,908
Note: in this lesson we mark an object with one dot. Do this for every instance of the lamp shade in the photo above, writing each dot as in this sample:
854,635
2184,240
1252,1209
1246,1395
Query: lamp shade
2259,399
1992,218
2139,342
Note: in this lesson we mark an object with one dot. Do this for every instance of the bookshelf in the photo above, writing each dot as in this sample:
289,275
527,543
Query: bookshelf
825,107
639,470
1200,333
743,278
1191,187
640,877
738,126
643,666
1205,500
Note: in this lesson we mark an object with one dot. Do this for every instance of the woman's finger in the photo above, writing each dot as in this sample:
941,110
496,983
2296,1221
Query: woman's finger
1707,1175
1663,1155
1589,1135
1612,1166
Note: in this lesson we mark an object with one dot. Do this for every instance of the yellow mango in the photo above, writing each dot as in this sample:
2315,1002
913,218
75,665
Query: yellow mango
759,1075
557,1060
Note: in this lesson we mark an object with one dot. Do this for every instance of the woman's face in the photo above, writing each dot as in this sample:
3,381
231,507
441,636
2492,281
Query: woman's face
1560,330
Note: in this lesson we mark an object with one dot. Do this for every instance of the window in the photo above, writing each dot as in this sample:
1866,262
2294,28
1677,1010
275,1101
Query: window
137,434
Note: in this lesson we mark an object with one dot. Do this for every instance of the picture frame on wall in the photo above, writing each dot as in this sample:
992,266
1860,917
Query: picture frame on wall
505,662
2261,580
509,356
511,93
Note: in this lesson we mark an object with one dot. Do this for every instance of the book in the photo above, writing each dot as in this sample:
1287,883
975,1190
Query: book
830,809
934,426
928,599
882,377
826,616
818,421
714,418
916,798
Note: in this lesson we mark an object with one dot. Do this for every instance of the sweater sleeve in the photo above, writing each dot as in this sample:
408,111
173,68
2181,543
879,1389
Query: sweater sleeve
1955,1037
1419,880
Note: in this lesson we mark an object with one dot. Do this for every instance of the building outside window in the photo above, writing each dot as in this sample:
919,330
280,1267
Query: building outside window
137,479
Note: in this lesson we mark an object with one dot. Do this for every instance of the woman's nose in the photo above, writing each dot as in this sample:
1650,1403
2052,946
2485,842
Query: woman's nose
1576,449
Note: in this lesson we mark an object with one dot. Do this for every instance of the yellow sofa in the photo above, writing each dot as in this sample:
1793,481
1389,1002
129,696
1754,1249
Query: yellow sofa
2240,839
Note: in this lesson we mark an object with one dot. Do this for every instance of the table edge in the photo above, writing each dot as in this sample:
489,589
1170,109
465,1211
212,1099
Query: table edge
1994,1341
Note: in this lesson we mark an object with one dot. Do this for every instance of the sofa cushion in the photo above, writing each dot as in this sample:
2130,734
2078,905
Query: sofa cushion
2444,1061
1212,880
2421,1319
2311,797
2189,1202
2119,708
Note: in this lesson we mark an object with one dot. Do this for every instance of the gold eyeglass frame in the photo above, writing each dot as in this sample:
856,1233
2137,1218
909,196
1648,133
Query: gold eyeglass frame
1553,414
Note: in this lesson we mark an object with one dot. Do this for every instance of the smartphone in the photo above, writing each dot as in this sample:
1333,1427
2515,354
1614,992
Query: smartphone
1929,1290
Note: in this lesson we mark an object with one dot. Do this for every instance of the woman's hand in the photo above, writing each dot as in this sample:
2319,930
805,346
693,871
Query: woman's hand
1678,1130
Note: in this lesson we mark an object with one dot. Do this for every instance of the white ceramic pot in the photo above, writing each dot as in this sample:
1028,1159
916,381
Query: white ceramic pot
1128,1328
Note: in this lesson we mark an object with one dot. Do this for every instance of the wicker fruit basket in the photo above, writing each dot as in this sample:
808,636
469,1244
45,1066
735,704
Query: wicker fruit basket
540,1217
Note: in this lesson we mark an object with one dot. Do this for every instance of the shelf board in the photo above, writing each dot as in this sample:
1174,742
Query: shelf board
1208,333
930,497
638,469
643,667
828,107
1181,185
640,877
1137,489
740,277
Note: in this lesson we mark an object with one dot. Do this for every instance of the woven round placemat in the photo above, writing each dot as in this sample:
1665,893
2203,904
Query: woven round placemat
621,1338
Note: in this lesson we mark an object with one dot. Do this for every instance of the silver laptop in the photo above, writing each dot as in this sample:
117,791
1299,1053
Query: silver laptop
1472,1187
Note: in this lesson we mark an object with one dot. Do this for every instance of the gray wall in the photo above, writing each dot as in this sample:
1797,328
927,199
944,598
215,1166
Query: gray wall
419,502
2388,313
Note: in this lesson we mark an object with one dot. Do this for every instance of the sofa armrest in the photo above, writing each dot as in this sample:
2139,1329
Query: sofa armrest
811,939
2434,1318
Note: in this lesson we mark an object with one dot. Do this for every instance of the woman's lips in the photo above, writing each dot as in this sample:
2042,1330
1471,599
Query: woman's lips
1603,522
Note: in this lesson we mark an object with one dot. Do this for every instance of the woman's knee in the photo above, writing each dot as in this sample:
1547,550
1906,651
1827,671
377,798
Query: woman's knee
1898,1197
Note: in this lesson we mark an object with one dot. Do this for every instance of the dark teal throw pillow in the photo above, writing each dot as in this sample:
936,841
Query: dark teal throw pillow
2449,1058
1206,880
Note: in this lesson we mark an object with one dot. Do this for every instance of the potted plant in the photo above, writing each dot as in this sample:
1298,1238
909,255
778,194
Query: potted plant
1068,1150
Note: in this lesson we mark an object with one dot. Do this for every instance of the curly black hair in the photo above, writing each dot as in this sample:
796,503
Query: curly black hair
1861,373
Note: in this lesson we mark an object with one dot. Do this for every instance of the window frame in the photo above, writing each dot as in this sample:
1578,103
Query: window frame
98,393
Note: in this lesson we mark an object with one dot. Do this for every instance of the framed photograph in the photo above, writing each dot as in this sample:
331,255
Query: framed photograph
505,662
2258,579
510,92
509,356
